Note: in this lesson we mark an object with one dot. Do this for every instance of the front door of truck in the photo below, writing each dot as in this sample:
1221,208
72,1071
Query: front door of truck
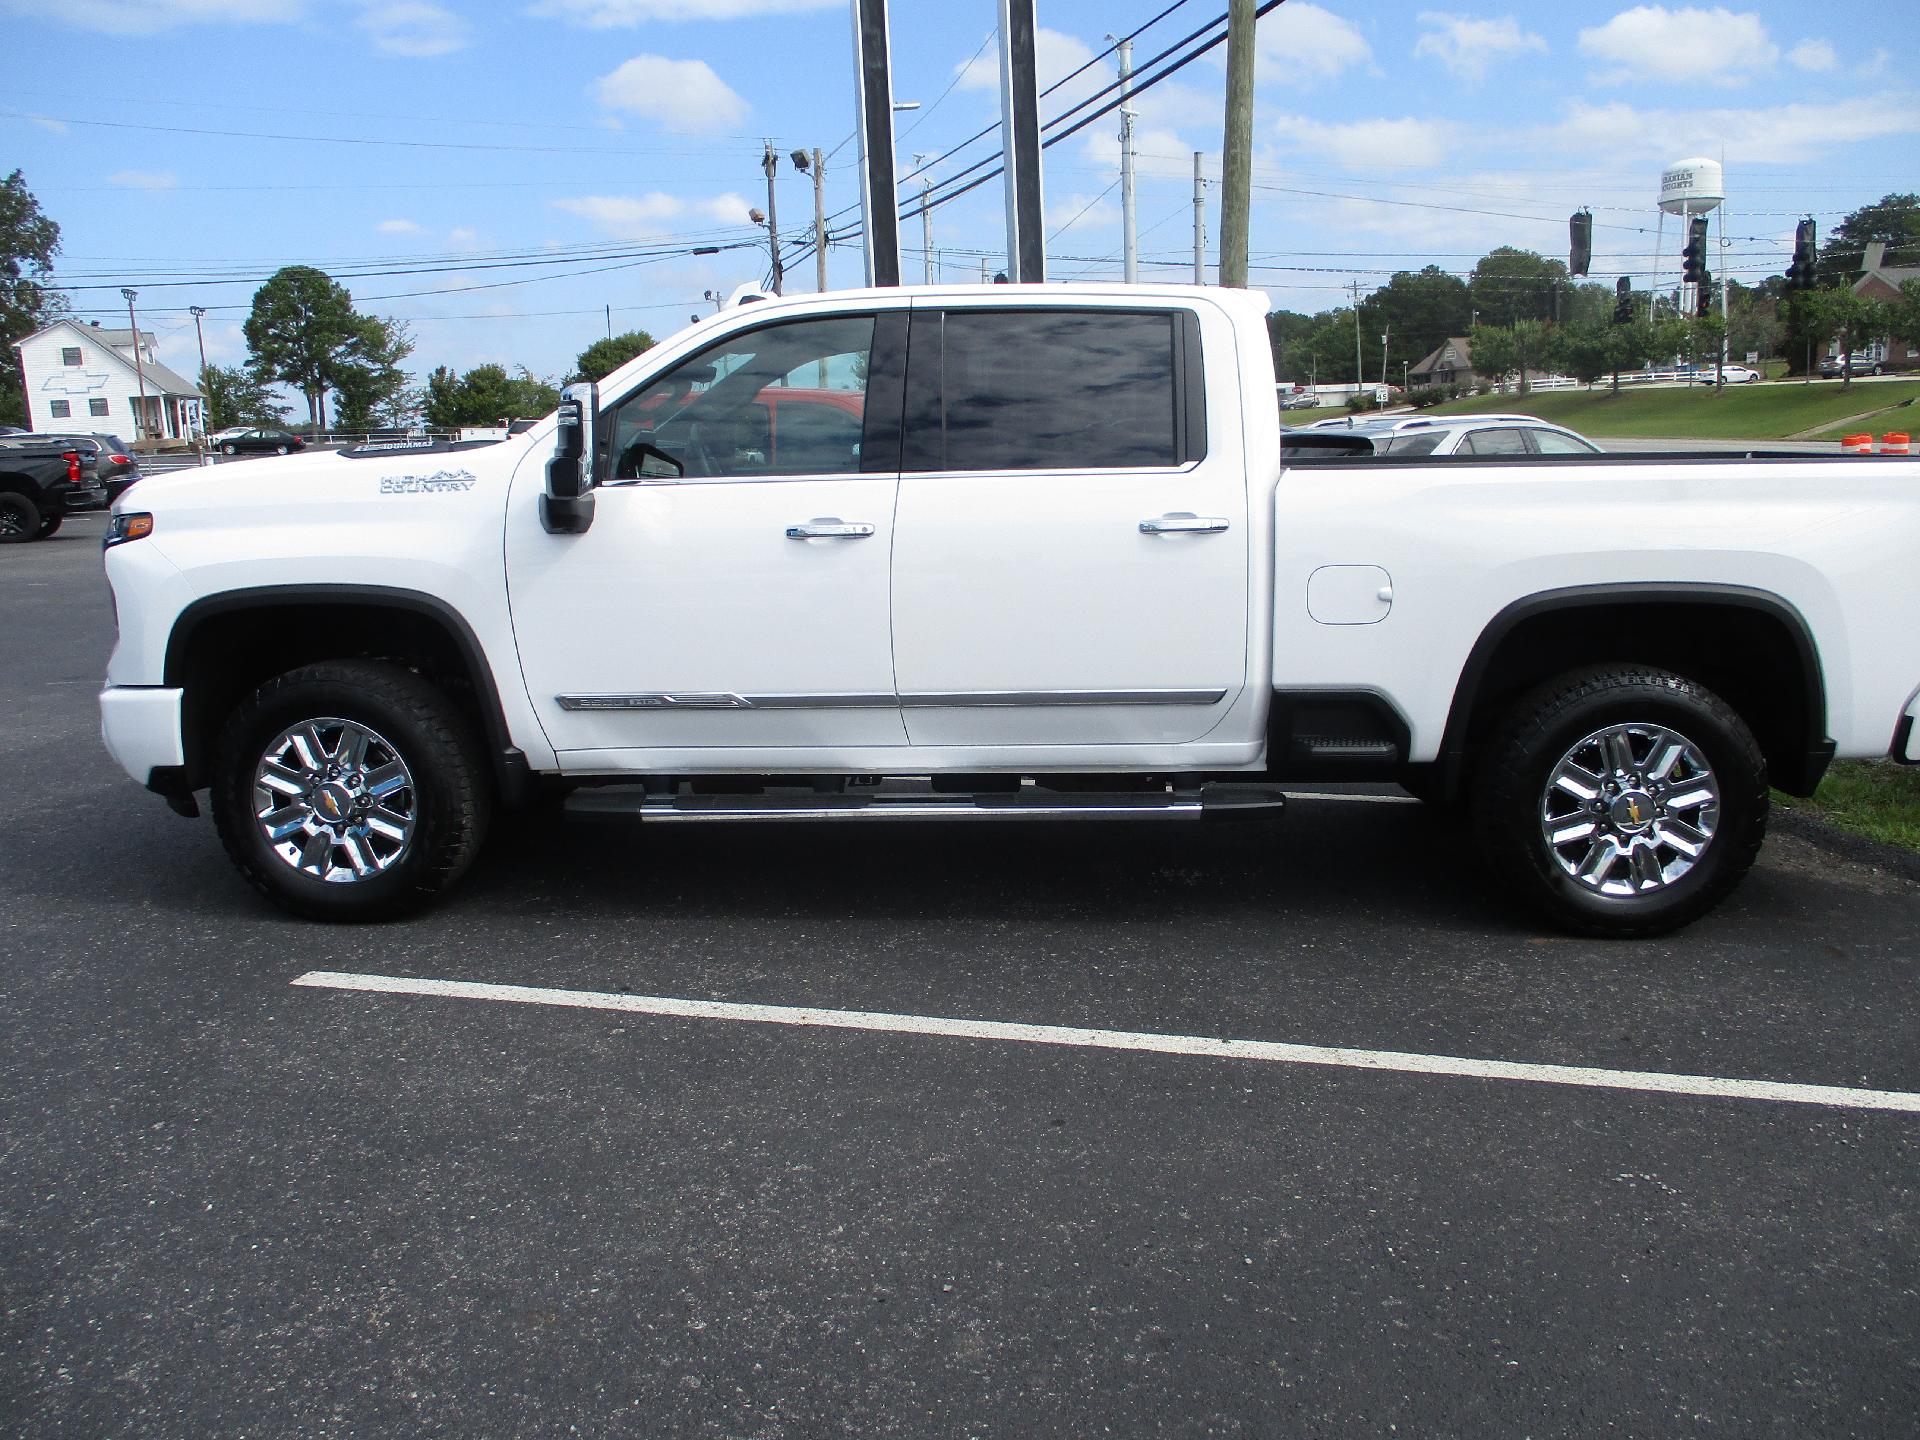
1071,556
731,594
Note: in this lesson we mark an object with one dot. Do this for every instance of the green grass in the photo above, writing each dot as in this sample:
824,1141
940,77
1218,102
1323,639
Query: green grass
1874,798
1759,411
1307,417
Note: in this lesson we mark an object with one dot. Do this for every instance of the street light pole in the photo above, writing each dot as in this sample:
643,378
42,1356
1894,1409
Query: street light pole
819,220
198,311
140,374
1129,224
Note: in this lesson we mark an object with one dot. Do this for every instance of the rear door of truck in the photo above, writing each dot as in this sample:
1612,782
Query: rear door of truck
1071,547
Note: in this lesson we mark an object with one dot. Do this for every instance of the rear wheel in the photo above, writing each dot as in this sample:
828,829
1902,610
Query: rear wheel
350,790
1621,800
279,449
48,526
19,519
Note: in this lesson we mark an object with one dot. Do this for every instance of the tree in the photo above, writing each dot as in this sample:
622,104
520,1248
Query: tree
486,395
1843,315
303,332
236,396
603,357
1531,342
1509,285
1417,311
1903,315
28,243
1893,220
373,389
1286,330
1492,350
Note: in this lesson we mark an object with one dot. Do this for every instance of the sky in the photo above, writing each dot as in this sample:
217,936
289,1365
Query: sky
519,167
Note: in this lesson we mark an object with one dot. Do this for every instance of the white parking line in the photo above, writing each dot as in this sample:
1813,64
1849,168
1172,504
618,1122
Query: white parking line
1712,1087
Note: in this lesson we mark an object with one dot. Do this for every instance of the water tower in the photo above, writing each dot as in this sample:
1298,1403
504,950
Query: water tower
1688,188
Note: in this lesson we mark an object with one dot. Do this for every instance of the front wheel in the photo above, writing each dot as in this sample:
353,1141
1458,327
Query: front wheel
1621,801
229,449
351,790
19,519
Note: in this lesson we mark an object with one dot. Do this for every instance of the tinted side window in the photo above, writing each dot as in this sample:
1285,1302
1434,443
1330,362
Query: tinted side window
1058,390
1424,443
1495,442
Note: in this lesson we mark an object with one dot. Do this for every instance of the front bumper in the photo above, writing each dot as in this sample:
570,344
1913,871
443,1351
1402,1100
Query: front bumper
141,727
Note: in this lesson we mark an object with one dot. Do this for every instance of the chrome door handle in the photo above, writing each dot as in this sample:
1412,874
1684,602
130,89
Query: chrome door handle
1180,522
829,530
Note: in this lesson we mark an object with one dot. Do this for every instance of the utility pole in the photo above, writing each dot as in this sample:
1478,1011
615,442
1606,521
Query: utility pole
770,162
1236,150
819,220
1129,221
1383,354
1199,222
926,219
140,374
1359,366
986,271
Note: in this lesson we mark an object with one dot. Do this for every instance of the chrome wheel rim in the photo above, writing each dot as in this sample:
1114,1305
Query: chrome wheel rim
1630,809
335,800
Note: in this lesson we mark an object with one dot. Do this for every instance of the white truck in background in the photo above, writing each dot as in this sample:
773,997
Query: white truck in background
1002,553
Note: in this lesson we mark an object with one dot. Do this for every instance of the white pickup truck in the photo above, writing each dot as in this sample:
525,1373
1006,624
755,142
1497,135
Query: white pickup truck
1002,552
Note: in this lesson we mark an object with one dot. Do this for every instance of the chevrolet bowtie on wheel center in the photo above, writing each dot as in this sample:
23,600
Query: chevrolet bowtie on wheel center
996,554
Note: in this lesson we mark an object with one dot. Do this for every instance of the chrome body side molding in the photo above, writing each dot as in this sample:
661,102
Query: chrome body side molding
921,700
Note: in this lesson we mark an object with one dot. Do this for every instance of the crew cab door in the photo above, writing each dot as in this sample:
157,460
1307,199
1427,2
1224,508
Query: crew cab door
1071,554
731,593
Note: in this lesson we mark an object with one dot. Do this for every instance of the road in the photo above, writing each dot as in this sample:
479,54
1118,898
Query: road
230,1205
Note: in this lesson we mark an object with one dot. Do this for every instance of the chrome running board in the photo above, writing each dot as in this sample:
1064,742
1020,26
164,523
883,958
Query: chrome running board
1205,802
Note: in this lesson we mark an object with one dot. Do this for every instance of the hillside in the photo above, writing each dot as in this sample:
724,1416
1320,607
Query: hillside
1763,411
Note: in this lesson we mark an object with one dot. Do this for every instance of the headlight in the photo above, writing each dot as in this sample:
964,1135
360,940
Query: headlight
125,526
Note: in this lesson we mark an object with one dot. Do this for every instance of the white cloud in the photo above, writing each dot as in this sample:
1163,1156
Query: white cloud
47,122
1369,142
1079,213
1651,42
148,17
400,227
1466,46
1301,43
1815,55
624,14
144,179
683,95
414,29
652,216
463,238
1795,134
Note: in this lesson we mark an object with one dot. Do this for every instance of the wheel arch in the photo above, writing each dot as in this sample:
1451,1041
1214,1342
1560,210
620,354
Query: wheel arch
1751,646
222,646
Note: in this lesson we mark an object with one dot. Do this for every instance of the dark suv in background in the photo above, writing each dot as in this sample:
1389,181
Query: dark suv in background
114,464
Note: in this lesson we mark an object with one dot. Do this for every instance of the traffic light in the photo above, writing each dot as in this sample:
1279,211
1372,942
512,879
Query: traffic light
1623,301
1800,273
1693,256
1703,304
1580,247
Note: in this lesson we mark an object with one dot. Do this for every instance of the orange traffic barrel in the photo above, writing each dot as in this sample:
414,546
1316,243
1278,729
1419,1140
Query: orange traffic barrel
1856,444
1895,442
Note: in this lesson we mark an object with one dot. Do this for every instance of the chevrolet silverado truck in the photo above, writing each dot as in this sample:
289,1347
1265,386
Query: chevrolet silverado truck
42,481
1041,558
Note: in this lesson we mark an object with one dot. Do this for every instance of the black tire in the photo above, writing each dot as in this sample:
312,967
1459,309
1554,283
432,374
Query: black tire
451,793
48,526
1509,788
19,519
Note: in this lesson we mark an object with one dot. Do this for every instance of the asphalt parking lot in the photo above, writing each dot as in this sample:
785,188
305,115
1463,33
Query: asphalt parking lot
233,1205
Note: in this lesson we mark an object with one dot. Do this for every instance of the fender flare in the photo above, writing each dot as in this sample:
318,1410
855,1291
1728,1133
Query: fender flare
509,762
1466,694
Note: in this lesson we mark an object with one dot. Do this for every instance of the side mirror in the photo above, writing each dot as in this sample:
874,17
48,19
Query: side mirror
566,505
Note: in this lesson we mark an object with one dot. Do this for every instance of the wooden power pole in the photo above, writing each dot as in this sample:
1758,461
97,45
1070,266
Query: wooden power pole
1236,149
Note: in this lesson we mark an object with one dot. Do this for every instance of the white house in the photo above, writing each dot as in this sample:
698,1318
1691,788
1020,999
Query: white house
82,377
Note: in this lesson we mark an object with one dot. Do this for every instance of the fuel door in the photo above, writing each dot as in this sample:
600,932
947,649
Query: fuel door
1349,594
